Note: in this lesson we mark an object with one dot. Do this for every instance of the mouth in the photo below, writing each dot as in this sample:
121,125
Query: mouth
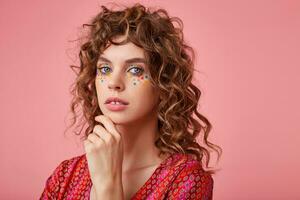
115,106
116,100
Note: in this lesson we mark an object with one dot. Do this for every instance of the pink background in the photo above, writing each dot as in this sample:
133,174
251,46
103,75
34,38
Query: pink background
248,55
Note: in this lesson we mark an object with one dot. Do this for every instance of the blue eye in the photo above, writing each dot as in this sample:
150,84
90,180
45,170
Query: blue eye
137,71
101,69
104,68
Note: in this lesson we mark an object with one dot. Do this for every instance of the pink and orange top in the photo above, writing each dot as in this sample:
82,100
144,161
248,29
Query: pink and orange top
179,176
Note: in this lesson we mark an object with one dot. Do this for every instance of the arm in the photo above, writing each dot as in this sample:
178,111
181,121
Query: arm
51,188
192,183
47,192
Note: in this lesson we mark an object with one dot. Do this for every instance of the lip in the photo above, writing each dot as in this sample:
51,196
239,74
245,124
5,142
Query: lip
110,99
115,107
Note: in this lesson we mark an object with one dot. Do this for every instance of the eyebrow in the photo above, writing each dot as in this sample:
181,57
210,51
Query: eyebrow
128,61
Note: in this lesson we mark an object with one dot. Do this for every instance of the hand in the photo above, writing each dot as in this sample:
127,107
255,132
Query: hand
104,152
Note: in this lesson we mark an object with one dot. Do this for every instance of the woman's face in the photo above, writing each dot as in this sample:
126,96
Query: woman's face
123,72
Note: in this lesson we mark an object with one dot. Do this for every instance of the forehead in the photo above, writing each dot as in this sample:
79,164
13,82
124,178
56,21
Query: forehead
123,52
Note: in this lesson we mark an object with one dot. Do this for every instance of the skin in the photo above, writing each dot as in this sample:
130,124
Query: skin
124,143
104,154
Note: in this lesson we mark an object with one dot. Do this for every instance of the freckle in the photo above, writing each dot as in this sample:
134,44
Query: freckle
134,83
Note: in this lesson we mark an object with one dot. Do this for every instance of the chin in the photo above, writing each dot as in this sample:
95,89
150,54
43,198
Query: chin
117,117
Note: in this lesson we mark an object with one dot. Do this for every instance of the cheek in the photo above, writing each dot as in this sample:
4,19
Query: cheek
100,84
101,80
137,81
134,81
142,88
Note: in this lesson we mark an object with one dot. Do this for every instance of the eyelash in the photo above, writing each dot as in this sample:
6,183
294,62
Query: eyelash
141,70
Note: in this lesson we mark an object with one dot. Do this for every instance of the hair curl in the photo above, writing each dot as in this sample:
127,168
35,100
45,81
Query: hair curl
171,64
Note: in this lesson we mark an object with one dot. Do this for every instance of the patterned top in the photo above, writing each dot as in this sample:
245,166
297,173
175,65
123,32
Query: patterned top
179,176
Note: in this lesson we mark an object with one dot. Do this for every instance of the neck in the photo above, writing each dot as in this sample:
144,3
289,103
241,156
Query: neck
138,142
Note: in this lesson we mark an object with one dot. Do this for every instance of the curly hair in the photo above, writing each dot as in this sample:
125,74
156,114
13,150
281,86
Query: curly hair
171,64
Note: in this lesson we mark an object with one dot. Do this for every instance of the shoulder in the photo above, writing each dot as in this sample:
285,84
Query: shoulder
68,165
62,173
191,179
72,162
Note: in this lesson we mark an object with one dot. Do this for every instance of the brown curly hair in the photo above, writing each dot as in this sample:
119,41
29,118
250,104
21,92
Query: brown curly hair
171,64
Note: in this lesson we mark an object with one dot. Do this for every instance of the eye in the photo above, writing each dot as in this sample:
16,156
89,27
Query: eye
136,70
103,69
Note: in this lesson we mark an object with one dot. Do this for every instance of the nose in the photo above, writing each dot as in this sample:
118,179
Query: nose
115,81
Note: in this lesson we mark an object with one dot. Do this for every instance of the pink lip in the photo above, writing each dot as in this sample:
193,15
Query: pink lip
116,99
115,107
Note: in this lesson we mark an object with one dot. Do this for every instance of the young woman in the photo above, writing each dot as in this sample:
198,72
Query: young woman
134,86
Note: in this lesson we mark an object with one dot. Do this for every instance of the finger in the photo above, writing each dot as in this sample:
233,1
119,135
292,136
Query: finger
95,139
103,134
108,124
87,144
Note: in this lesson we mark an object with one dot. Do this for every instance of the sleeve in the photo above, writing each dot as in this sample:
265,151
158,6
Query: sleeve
192,183
53,182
